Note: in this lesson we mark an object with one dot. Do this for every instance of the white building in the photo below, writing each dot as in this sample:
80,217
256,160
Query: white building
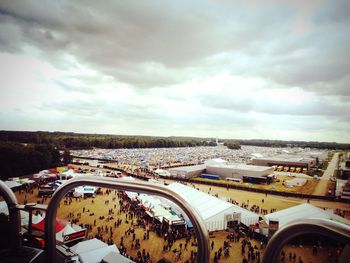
187,171
239,170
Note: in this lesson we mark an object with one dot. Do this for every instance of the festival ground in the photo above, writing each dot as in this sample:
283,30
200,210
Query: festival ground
154,246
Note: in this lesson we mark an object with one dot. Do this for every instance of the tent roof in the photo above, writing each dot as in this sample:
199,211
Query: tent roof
96,255
160,211
88,245
112,257
40,226
207,205
131,195
12,184
303,211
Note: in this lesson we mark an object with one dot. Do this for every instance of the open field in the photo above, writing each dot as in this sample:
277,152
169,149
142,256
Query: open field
155,243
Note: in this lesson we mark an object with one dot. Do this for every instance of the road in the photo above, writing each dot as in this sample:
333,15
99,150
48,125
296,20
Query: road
322,186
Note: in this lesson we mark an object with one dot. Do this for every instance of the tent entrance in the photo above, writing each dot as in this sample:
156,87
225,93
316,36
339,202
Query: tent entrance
233,224
233,220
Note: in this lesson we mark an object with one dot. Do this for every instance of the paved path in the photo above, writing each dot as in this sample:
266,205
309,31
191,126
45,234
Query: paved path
321,188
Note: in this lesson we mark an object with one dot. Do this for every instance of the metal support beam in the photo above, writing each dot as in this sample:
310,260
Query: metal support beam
140,187
14,217
332,229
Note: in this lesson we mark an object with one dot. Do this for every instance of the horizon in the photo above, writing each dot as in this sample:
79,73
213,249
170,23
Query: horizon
195,137
275,70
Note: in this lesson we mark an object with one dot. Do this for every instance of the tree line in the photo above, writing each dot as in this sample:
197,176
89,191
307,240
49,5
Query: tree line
18,159
72,140
63,140
301,144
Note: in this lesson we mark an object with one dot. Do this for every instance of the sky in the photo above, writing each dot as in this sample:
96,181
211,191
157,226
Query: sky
230,69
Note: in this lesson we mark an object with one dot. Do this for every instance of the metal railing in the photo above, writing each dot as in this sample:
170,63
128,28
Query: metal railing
332,229
14,218
112,183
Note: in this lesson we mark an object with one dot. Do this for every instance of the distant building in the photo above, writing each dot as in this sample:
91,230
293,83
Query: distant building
239,170
285,160
340,184
187,171
344,167
222,169
345,194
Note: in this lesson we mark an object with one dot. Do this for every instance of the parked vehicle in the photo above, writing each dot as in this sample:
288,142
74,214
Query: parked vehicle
210,176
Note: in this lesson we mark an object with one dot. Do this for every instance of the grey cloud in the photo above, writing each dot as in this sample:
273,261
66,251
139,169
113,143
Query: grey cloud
333,12
320,107
119,37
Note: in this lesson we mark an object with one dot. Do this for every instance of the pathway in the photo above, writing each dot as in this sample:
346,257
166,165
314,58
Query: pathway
322,186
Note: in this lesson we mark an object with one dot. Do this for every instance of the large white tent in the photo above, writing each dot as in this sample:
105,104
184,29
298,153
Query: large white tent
213,210
96,251
155,205
88,245
113,257
303,211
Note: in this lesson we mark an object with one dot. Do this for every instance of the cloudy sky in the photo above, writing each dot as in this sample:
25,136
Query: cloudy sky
267,69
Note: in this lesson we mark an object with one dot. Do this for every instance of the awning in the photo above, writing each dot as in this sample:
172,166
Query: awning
41,226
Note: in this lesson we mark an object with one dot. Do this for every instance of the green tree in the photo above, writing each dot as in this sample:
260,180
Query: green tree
67,158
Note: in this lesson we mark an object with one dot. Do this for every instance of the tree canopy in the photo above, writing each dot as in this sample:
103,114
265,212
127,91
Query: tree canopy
64,140
18,159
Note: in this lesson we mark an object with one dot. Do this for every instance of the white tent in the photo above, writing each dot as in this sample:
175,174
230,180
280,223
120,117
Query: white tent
162,172
295,182
88,245
12,184
84,190
303,211
148,200
113,257
213,210
35,219
94,251
96,255
131,195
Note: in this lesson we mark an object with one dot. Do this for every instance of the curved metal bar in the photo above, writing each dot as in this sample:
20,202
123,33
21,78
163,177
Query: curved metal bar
324,227
14,217
140,187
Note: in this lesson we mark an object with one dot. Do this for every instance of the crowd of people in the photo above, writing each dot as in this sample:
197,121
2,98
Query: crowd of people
121,212
184,155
